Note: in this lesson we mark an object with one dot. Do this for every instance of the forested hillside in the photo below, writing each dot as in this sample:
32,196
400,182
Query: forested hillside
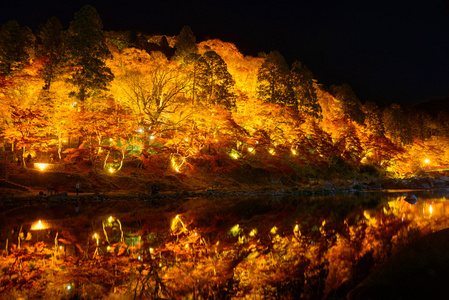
175,102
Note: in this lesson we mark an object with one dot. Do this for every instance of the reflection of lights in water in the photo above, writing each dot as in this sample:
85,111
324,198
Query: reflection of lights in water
430,209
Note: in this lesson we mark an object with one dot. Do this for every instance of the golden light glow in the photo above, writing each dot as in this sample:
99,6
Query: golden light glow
271,151
294,152
151,250
177,220
235,230
175,165
427,161
234,155
38,226
111,170
253,232
41,166
151,137
430,209
274,230
250,149
110,219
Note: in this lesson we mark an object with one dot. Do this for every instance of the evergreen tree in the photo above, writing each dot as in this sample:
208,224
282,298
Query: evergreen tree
350,103
373,119
215,83
396,125
87,52
16,46
185,44
304,91
52,46
274,81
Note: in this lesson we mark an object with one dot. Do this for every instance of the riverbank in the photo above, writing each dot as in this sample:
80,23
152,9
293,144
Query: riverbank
30,183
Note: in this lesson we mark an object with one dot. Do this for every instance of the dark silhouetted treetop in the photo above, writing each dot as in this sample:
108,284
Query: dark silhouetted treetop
373,119
51,38
215,83
185,44
87,52
304,91
350,103
16,46
396,124
274,81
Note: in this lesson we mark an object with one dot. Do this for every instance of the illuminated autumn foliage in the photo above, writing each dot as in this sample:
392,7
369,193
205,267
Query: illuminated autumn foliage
186,102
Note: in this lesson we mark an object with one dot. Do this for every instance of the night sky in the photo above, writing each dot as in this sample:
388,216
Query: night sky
390,51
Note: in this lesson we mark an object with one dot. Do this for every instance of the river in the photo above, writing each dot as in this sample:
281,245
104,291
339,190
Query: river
315,247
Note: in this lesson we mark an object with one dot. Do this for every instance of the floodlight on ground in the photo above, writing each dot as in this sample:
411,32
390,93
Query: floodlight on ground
41,166
38,226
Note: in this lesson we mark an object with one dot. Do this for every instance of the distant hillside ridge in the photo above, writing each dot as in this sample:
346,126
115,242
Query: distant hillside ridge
434,106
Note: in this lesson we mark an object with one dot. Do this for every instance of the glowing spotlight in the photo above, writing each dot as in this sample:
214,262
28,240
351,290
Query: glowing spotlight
41,166
38,226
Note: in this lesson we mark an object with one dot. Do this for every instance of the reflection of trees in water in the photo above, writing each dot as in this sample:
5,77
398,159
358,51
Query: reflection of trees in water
271,248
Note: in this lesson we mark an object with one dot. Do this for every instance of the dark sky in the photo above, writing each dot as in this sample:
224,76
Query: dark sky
396,50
